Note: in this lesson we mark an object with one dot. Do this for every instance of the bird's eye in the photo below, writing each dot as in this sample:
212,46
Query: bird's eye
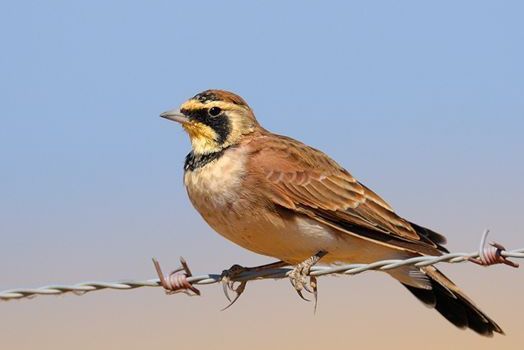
214,111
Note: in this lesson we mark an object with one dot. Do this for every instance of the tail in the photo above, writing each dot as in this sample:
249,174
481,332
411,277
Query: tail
451,302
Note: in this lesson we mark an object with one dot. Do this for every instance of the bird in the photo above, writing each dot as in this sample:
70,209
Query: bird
281,198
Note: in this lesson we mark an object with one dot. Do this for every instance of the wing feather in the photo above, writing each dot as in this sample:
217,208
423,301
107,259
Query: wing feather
303,179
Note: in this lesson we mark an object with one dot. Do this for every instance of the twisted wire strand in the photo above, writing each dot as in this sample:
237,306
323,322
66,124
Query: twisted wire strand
277,273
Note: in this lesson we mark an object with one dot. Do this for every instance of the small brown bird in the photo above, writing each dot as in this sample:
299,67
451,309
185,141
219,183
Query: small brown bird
279,197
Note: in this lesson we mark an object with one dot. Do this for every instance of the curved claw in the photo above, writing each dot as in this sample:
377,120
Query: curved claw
308,287
229,284
314,285
229,278
296,279
299,292
239,290
299,274
225,287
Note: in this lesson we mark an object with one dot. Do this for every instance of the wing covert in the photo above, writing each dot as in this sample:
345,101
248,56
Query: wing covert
306,180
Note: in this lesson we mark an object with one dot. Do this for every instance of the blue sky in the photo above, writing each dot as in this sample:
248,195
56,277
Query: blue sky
422,101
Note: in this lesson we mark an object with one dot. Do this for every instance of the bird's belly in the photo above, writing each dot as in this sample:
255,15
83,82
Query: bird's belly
295,239
291,241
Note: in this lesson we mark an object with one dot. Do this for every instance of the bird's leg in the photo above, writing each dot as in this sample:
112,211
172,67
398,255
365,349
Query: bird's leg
228,278
298,276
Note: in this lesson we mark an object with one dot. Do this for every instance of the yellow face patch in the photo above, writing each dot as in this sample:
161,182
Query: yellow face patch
203,137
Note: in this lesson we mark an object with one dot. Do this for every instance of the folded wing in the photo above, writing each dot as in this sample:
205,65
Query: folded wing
306,180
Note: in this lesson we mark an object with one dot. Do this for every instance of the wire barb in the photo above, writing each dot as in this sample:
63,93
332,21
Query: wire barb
176,281
492,254
183,281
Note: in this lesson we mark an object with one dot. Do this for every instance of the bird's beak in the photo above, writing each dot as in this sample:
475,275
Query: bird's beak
176,116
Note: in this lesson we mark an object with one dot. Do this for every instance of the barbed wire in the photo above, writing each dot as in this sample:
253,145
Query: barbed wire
185,281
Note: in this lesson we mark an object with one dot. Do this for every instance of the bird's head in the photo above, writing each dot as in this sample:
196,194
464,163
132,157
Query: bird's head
214,120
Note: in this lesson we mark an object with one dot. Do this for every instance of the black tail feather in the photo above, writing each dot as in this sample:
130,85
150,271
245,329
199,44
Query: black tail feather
456,308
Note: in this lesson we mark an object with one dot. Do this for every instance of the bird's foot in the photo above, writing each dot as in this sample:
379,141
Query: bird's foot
299,277
230,281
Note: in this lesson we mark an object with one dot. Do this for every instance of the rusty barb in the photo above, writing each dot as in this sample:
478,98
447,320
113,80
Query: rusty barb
176,281
183,281
492,254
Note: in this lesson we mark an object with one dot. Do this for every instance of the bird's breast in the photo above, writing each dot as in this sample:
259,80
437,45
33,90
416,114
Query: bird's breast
230,206
215,187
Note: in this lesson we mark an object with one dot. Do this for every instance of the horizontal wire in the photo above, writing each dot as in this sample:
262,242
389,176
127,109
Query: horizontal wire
277,273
